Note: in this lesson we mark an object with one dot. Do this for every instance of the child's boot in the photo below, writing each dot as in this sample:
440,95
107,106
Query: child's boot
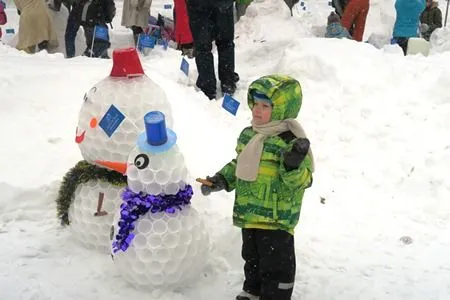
246,296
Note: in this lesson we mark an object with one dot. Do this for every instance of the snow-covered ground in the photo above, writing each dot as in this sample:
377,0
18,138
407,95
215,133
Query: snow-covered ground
379,126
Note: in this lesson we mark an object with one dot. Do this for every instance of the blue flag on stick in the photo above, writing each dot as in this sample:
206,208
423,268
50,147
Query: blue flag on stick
146,41
184,66
230,104
101,32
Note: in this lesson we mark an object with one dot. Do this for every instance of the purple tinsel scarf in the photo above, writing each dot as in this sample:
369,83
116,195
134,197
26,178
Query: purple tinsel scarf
138,204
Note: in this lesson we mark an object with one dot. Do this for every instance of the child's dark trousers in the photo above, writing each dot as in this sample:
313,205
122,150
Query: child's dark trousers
269,268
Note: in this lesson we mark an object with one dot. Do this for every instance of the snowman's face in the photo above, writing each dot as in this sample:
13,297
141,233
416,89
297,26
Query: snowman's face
112,114
156,173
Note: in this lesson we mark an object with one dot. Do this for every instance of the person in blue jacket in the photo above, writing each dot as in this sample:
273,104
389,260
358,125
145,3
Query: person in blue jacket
407,21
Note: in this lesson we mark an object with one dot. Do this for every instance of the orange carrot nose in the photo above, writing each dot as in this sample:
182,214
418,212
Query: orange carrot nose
113,165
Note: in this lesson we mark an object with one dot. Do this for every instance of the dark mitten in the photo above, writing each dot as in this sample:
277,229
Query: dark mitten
293,159
218,183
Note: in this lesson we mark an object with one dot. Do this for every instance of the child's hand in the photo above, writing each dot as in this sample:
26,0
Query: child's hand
218,183
295,157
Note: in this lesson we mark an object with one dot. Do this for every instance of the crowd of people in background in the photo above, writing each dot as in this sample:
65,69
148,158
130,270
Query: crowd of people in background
413,18
199,23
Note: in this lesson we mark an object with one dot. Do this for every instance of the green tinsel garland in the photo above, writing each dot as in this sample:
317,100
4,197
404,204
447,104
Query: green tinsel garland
82,173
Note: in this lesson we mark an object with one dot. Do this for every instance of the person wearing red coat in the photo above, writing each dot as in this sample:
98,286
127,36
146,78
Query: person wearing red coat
354,18
183,35
3,18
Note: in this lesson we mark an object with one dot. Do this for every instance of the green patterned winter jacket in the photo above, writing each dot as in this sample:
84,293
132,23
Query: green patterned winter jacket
274,199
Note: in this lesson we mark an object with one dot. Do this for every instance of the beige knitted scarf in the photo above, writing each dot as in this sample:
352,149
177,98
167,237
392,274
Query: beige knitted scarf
248,160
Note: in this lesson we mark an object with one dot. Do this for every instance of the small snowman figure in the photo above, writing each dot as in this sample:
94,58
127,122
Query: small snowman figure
160,241
110,121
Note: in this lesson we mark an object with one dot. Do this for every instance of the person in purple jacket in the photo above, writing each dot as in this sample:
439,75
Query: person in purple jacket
407,21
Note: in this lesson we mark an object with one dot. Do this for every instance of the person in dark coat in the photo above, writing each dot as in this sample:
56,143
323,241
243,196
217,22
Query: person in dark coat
56,5
89,14
213,20
430,19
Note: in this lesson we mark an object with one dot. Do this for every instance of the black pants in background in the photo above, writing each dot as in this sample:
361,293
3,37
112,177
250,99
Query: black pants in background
213,20
269,268
100,47
403,43
73,24
136,32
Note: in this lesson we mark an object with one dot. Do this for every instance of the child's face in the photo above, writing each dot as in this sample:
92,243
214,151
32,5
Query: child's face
261,112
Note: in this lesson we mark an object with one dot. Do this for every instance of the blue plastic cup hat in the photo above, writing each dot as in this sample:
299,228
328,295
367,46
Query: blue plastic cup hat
155,128
257,96
157,137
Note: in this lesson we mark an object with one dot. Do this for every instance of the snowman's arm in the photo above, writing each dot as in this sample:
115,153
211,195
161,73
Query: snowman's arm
205,182
100,212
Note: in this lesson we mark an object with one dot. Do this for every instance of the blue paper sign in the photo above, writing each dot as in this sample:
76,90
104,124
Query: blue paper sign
101,32
167,6
230,104
146,41
10,30
111,120
184,66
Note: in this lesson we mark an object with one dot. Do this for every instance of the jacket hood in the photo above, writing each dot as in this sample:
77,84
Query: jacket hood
284,91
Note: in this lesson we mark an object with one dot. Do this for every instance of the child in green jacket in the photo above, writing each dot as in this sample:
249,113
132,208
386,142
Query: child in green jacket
274,166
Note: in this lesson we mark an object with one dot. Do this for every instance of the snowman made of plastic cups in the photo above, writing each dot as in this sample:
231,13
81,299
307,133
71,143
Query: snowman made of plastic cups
110,121
159,239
